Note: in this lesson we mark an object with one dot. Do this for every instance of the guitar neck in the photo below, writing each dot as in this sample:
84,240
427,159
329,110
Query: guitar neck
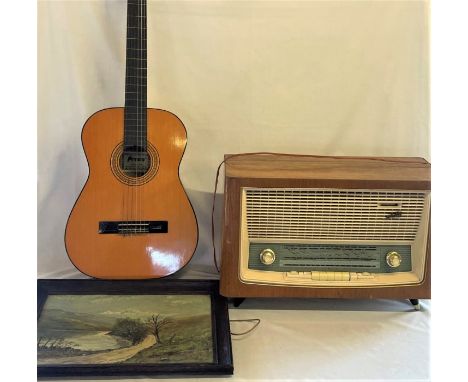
135,78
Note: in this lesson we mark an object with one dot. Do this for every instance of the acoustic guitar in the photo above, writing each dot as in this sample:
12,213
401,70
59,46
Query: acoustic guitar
133,219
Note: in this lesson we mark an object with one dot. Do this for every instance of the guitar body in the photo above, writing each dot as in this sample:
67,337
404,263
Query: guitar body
110,195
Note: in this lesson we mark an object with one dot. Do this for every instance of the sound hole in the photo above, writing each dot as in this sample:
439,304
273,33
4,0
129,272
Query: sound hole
135,162
135,166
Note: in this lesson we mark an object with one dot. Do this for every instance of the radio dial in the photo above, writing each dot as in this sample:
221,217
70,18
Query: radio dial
267,256
393,259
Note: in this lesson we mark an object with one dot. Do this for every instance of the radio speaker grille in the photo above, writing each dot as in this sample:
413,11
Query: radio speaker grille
321,214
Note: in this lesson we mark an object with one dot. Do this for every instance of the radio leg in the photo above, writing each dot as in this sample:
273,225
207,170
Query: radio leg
415,303
237,301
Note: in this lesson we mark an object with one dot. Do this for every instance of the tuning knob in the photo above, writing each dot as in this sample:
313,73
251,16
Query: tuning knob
393,259
267,256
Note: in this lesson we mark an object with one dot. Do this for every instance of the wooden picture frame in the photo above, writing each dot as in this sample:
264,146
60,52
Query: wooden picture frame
82,312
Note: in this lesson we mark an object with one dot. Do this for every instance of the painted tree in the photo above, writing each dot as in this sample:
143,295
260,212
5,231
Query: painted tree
133,330
155,323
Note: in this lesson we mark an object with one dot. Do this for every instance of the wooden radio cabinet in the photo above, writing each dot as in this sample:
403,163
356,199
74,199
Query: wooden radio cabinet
331,227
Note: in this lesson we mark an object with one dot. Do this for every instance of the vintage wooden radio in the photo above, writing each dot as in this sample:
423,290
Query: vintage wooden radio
344,227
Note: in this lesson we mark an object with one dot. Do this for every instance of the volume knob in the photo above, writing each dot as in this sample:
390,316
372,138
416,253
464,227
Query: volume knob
267,256
393,259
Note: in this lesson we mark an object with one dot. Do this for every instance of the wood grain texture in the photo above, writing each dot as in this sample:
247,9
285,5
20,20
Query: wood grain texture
105,198
340,171
240,174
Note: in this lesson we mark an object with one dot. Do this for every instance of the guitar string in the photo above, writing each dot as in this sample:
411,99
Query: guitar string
133,181
138,90
142,63
131,121
119,159
128,108
144,100
134,134
144,133
143,106
129,131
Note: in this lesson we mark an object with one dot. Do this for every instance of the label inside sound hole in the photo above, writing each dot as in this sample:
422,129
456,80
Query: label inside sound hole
329,257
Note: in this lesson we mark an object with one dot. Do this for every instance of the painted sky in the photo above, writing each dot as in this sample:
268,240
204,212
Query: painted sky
133,306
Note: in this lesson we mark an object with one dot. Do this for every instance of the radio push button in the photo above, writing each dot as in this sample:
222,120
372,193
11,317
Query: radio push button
267,256
393,259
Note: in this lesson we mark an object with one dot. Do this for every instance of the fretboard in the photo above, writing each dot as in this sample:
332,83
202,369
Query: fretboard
135,77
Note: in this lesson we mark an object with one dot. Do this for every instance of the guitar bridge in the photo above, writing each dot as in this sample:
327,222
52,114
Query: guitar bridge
133,227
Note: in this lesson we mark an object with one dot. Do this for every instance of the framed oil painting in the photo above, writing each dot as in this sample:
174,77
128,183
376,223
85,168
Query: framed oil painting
132,328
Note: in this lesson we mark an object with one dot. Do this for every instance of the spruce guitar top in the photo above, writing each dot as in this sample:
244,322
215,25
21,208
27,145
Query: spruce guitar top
133,219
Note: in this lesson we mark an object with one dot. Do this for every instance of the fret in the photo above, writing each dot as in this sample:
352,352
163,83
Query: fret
136,125
134,121
142,93
140,90
137,95
133,76
136,43
132,71
141,107
133,103
137,40
134,85
137,33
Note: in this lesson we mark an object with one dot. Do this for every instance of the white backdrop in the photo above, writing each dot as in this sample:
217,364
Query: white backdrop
314,77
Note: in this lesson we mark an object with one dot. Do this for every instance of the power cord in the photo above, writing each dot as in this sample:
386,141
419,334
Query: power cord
256,322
